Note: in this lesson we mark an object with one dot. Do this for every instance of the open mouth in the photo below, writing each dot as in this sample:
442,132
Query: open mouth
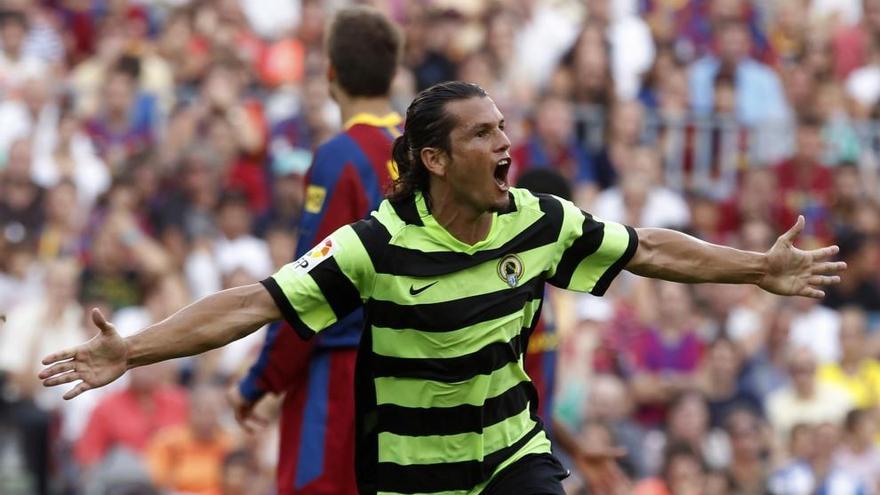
501,169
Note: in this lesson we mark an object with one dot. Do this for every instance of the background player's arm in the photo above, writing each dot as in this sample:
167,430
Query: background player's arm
784,269
208,323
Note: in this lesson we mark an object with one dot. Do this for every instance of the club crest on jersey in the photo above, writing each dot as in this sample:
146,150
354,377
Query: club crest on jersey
510,269
315,256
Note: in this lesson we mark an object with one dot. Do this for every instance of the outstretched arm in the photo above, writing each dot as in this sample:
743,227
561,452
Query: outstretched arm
784,269
206,324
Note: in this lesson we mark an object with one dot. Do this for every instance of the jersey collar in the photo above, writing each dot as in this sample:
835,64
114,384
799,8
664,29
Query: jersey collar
390,120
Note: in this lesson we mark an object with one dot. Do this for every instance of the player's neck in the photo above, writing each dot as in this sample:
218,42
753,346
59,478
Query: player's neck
353,105
460,220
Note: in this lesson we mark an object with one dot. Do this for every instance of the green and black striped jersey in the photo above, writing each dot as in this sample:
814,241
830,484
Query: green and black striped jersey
443,403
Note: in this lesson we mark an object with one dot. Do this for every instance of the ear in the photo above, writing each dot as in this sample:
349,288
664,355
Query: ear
435,160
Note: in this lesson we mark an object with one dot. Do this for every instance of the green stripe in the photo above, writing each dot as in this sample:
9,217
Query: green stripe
414,392
591,269
475,281
307,299
413,343
539,444
435,449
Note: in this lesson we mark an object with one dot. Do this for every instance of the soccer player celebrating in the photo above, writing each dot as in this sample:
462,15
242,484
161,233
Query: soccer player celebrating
347,180
450,272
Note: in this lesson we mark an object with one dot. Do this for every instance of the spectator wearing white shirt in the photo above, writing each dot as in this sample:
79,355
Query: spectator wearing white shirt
640,199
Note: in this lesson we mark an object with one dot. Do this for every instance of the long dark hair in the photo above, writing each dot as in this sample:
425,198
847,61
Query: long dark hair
427,126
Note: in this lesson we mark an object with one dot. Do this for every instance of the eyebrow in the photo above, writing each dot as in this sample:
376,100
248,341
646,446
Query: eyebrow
485,125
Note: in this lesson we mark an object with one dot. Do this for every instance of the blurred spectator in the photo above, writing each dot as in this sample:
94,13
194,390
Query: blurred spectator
640,199
858,454
235,247
815,473
544,32
189,458
805,184
724,393
122,259
857,372
625,126
609,403
817,328
21,199
687,423
852,44
748,470
238,475
759,95
806,400
33,329
630,42
861,287
670,355
766,370
126,120
60,235
72,157
130,418
683,473
16,64
30,115
585,71
552,144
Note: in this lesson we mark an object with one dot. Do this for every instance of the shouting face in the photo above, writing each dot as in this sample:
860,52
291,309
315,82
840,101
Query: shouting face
476,167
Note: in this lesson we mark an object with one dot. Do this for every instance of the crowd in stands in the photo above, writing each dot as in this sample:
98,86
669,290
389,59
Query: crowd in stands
154,151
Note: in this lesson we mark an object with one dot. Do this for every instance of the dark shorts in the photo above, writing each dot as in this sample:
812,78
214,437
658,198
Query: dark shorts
537,474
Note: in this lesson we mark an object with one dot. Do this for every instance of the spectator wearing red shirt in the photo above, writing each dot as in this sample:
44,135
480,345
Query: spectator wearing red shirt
851,44
804,184
129,419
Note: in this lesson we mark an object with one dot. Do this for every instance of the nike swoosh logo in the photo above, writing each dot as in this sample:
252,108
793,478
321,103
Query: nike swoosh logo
414,292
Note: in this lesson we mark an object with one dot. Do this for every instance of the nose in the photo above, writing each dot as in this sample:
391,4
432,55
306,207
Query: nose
503,143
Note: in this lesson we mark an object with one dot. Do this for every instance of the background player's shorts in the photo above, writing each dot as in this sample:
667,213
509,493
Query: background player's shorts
317,428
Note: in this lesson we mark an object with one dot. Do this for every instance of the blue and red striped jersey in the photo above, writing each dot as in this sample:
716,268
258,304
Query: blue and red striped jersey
347,180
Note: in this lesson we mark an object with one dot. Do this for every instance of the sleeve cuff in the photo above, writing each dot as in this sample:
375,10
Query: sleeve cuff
287,310
615,269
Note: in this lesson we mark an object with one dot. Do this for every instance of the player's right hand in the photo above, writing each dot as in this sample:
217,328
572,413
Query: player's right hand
245,415
96,363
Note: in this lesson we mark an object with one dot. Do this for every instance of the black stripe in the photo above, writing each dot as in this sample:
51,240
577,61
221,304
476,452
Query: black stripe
604,281
407,210
450,370
287,309
373,235
466,418
427,478
591,238
453,315
415,263
342,296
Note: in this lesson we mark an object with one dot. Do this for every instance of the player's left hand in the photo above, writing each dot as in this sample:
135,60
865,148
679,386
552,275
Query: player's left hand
794,272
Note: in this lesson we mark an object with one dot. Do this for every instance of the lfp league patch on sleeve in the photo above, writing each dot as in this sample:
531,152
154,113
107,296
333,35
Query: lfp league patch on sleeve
315,256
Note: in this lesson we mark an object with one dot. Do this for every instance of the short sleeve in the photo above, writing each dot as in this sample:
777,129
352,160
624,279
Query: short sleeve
324,285
594,251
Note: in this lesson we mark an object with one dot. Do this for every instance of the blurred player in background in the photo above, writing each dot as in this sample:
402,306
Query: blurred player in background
347,179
